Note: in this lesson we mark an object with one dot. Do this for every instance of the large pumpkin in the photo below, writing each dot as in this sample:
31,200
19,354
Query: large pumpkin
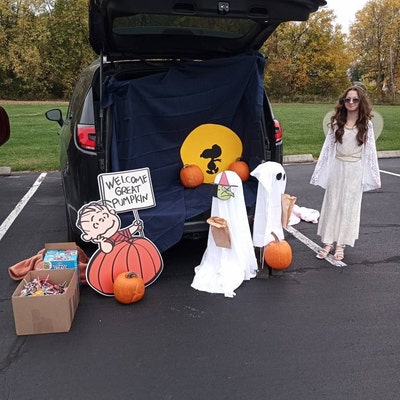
278,253
139,255
241,168
191,176
128,288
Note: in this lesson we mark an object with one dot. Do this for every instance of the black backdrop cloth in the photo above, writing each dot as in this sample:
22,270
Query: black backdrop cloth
153,115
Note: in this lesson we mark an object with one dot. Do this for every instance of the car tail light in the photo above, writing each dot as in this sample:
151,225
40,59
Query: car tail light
278,130
86,136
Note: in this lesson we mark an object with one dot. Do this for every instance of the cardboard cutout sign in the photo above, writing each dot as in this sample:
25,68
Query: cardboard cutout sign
127,190
213,148
120,250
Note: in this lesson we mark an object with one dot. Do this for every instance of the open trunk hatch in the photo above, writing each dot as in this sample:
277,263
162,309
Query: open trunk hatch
201,29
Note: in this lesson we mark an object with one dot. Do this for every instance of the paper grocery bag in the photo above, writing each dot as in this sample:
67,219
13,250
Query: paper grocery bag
287,207
220,231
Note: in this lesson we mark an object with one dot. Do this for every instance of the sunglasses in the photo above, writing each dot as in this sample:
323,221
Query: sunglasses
348,100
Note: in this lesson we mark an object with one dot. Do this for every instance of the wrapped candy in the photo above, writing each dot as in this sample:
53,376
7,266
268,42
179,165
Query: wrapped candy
42,287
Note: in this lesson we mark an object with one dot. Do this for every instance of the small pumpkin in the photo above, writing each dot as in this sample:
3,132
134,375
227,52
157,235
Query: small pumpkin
278,253
128,288
191,176
241,168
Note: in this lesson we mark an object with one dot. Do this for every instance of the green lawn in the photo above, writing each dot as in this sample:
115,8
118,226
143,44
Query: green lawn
303,129
34,142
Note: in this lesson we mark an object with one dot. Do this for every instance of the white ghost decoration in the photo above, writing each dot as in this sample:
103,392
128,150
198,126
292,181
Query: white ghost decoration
222,270
268,213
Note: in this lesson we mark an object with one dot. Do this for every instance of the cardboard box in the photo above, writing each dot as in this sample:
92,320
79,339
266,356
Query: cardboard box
50,313
60,256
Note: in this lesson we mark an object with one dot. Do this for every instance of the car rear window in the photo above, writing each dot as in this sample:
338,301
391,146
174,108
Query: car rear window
153,24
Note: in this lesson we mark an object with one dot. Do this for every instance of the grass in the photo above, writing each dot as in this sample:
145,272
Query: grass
303,129
34,143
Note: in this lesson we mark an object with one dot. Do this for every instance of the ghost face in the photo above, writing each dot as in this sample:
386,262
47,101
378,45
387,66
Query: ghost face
280,180
272,177
223,188
224,192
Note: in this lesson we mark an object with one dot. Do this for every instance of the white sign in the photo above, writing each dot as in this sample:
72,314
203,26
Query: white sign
127,190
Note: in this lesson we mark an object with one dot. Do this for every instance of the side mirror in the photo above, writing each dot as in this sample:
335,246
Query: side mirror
55,115
4,126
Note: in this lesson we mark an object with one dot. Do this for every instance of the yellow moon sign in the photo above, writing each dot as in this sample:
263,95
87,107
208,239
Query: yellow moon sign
213,148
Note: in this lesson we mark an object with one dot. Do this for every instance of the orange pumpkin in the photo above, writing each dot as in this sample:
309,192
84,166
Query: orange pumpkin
278,253
191,176
138,255
241,168
128,288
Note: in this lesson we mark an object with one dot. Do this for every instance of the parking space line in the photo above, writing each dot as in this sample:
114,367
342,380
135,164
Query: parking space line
313,246
21,204
389,173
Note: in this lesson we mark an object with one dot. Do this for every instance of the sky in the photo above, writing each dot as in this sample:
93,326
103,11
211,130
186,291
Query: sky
345,11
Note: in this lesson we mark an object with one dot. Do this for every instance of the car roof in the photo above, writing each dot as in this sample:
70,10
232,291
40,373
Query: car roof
195,29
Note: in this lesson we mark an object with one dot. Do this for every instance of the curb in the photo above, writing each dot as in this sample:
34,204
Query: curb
308,158
389,154
299,158
4,171
293,159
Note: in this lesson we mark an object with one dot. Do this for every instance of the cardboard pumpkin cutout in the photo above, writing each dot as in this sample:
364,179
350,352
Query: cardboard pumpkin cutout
120,249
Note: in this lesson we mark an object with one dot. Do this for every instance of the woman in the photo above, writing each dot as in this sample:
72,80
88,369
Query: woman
347,166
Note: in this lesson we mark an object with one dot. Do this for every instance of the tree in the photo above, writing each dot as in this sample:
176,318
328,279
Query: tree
307,58
6,22
22,37
375,45
68,50
43,47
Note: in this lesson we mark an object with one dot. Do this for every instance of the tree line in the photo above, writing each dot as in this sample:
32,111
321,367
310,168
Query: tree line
44,45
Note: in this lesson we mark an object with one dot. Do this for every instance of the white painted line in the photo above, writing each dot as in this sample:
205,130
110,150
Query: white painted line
389,173
313,246
21,204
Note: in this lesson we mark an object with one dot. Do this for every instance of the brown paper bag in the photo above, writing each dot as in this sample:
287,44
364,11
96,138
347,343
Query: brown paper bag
220,232
287,207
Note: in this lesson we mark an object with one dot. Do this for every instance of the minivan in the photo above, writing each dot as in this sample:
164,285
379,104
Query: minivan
164,68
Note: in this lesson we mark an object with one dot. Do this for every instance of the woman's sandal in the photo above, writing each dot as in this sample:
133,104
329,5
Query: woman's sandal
339,253
323,253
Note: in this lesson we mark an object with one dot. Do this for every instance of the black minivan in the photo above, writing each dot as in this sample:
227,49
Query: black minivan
164,69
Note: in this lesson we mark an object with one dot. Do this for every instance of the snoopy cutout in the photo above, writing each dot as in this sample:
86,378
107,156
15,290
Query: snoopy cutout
212,147
212,153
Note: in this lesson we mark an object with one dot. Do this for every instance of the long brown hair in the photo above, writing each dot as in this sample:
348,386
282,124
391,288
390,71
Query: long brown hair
339,117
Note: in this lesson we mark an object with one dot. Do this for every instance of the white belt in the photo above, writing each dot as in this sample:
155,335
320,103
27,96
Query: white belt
348,157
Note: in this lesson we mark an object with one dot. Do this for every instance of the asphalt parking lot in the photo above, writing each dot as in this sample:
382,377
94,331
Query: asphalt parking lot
319,331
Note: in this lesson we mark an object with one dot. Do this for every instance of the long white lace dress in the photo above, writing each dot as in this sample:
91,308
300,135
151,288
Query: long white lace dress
345,170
